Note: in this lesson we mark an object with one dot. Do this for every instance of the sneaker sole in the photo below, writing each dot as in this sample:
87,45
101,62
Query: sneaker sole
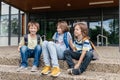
69,71
56,75
19,70
34,70
46,73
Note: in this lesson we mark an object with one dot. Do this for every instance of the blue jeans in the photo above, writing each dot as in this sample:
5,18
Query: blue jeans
30,53
69,55
51,53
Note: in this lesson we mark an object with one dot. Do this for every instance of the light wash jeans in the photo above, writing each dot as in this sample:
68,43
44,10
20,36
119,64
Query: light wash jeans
30,53
51,53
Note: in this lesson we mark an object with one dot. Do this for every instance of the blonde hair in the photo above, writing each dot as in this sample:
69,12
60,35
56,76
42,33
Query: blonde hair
63,25
31,23
84,28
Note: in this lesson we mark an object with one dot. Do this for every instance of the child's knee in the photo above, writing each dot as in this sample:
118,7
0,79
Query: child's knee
89,55
66,52
44,44
23,48
50,43
38,47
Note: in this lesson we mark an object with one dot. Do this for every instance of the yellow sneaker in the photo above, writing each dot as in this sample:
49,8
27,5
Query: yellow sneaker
46,70
55,71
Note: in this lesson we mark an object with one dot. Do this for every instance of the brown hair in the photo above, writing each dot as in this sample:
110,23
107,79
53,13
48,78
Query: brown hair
84,28
63,25
31,23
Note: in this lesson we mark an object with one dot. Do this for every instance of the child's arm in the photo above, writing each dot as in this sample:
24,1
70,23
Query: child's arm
80,59
84,50
19,48
21,44
72,45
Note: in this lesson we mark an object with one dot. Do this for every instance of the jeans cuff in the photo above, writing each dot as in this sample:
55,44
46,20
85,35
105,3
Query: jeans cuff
76,71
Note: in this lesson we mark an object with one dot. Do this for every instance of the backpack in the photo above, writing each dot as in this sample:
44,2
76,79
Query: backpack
26,39
64,39
95,52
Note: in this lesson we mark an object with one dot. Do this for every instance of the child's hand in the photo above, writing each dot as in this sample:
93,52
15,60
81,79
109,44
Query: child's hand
76,66
74,49
19,48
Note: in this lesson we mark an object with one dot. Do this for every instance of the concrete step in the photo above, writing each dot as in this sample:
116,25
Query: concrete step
10,56
101,65
105,65
8,72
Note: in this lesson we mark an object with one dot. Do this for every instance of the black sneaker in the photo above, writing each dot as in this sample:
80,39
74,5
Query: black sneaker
75,71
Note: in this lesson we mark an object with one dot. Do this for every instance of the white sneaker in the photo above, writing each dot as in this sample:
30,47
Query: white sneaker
34,69
69,70
22,68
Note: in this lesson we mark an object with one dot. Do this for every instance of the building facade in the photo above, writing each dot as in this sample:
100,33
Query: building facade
102,22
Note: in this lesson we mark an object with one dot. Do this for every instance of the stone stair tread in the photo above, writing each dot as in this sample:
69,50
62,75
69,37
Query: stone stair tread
8,72
107,61
101,65
101,60
14,55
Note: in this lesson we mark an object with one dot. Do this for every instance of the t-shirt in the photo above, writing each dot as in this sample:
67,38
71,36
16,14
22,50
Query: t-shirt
59,39
82,45
32,42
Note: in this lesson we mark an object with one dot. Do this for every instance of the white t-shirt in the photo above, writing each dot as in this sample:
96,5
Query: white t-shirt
59,39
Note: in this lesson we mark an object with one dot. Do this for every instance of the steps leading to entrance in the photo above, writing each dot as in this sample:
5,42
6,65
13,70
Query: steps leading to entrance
106,68
102,65
8,72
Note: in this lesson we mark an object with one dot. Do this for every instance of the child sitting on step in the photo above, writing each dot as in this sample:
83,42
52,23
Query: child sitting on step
53,50
82,50
29,47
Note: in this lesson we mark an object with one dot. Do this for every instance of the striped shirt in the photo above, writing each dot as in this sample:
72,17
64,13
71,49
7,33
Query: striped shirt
82,45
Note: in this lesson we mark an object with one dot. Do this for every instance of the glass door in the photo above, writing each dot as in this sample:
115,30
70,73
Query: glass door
111,28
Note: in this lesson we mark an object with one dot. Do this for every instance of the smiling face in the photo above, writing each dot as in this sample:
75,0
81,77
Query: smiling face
33,29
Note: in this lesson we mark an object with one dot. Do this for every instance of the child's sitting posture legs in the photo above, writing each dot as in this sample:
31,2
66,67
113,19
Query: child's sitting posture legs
69,55
30,53
50,54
